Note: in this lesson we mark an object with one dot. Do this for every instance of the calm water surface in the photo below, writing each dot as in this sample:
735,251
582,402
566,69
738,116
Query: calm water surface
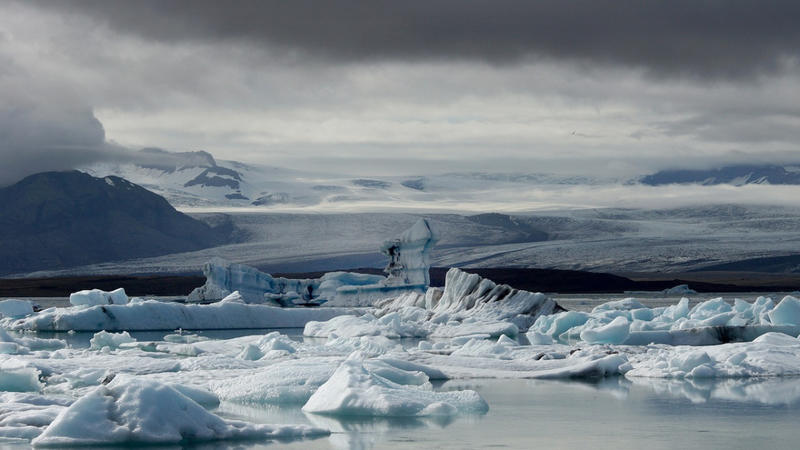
525,414
612,414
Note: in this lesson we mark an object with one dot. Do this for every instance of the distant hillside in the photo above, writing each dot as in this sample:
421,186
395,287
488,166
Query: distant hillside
62,219
735,175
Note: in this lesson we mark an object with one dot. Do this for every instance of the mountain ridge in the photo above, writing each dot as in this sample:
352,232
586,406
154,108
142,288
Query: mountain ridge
61,219
736,175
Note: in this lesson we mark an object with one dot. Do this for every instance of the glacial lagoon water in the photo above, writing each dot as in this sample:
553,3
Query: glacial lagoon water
610,413
613,413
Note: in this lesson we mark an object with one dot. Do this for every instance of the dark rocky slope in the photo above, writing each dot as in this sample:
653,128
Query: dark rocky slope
55,220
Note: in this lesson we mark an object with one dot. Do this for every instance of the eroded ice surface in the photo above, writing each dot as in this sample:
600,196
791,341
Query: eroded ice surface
468,305
355,390
15,308
148,412
156,315
710,322
407,270
93,297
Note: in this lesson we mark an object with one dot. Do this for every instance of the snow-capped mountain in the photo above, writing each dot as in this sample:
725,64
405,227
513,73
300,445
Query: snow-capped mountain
735,175
197,179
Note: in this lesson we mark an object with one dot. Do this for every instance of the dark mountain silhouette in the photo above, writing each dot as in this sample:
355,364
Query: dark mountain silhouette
55,220
735,175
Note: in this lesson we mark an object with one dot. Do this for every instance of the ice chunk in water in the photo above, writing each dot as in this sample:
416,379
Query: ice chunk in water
93,297
613,333
786,313
19,378
148,412
104,339
353,390
15,308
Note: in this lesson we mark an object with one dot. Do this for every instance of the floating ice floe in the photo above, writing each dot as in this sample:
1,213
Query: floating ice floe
629,322
468,305
104,339
92,297
148,412
224,278
771,354
409,263
155,315
681,289
15,308
24,415
12,345
16,376
354,390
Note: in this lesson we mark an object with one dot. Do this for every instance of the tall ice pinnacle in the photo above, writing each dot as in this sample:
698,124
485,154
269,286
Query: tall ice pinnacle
409,256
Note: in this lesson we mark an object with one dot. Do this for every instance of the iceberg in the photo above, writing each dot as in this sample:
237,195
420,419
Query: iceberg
711,322
15,308
19,378
92,297
681,289
407,271
409,256
468,305
771,354
108,340
148,412
148,315
613,333
24,415
20,345
354,390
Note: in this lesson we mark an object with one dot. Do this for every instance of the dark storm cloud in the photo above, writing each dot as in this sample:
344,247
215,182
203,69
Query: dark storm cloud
721,39
37,138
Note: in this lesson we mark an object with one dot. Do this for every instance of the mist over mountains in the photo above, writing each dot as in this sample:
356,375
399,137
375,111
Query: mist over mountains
737,175
198,180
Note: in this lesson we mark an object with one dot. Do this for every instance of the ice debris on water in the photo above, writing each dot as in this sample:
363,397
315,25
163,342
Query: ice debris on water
468,305
710,322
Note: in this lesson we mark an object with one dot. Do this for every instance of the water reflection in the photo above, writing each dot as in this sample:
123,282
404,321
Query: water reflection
758,391
363,433
770,391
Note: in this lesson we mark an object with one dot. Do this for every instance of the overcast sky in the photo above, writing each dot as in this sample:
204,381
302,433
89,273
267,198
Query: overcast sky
402,87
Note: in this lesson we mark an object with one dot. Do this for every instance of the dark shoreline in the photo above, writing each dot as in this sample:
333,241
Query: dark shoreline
536,280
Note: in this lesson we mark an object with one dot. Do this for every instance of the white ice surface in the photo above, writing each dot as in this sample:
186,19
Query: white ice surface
155,315
710,322
468,305
148,412
354,390
92,297
15,308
